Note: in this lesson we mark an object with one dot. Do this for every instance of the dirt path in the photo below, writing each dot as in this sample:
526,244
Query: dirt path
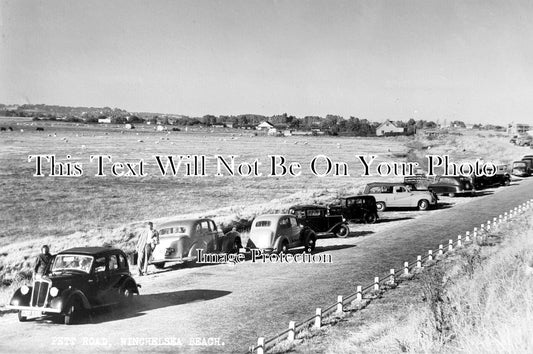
224,308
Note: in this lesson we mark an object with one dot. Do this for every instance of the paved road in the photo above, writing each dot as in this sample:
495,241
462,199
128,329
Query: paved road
223,308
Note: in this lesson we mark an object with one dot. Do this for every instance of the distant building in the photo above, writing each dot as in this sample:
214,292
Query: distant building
104,120
518,128
388,127
264,126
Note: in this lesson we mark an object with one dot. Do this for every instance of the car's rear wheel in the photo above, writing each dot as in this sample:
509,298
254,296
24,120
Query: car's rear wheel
507,182
342,231
159,265
73,312
381,206
423,204
452,195
370,218
21,317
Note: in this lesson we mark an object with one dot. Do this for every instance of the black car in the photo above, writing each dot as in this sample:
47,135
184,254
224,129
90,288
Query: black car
358,208
320,220
452,185
79,279
501,178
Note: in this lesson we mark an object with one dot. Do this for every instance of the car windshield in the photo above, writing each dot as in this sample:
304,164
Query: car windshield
519,164
64,262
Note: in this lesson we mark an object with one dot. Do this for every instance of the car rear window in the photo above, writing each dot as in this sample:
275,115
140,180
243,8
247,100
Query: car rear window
262,223
173,230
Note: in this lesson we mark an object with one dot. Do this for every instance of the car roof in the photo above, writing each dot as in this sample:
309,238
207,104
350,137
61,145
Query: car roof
271,217
91,251
307,206
387,184
181,222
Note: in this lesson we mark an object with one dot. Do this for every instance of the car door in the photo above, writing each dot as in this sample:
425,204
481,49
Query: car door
316,220
284,229
114,276
294,230
101,280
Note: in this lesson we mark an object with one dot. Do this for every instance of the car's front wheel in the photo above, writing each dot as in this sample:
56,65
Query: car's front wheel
284,248
423,204
381,206
310,242
73,312
342,231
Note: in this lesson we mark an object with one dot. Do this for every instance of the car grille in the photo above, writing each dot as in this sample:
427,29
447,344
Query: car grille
40,293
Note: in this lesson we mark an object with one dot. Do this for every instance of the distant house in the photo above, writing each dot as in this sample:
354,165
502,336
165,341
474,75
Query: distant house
104,120
388,127
129,126
518,128
264,126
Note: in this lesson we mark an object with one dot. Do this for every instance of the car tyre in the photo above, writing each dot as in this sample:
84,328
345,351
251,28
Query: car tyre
21,317
507,182
370,218
284,247
423,204
310,242
73,312
381,206
451,195
342,231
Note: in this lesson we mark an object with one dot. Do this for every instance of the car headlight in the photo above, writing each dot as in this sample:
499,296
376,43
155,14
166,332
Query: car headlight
54,291
24,289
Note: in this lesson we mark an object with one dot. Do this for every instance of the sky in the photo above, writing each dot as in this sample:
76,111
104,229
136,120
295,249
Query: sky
398,59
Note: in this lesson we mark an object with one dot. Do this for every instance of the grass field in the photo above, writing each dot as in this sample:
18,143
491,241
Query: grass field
68,211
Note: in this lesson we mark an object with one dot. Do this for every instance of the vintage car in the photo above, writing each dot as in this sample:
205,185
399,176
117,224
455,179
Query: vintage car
501,178
279,233
452,186
320,220
79,279
180,240
399,195
529,161
521,168
359,208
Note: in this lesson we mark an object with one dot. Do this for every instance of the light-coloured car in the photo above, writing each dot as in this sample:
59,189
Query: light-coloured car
279,233
399,195
179,241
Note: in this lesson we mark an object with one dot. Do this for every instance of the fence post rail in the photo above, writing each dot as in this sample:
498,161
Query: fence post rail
260,345
318,318
292,331
392,277
339,304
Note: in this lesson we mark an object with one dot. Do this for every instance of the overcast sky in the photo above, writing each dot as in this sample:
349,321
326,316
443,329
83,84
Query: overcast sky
422,59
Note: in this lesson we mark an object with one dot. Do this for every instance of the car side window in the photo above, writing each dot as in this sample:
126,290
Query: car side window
284,223
212,225
293,222
205,226
122,263
99,265
399,189
375,190
112,262
300,214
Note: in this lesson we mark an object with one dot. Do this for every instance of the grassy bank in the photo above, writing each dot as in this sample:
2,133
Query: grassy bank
478,299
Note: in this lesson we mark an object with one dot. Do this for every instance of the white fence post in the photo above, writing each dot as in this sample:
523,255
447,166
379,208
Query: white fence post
430,255
419,261
406,268
376,283
318,318
467,237
392,276
359,296
459,241
292,331
475,232
441,250
260,345
450,245
339,304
